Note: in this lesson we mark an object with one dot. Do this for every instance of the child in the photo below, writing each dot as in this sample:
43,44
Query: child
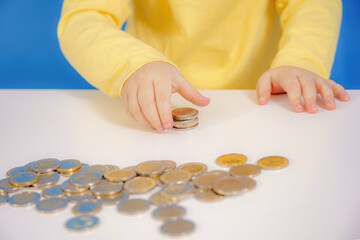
274,45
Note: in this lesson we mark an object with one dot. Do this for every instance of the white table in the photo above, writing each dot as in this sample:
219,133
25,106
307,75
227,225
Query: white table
316,197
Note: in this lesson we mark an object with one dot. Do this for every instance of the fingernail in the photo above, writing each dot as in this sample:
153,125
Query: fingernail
261,100
167,125
299,107
313,106
332,101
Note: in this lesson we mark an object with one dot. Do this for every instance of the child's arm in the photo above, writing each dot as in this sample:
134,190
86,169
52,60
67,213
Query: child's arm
91,40
302,66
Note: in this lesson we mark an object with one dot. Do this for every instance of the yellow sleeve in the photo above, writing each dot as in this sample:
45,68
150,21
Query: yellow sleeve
310,30
90,37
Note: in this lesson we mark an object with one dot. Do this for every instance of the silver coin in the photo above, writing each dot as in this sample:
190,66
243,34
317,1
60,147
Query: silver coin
80,197
55,191
14,171
177,227
186,129
51,205
177,191
67,165
44,165
100,169
116,199
88,208
85,179
133,206
106,188
24,199
6,187
47,180
3,198
81,223
68,188
167,212
111,167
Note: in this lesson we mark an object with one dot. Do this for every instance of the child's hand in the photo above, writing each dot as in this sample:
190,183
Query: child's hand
146,95
297,82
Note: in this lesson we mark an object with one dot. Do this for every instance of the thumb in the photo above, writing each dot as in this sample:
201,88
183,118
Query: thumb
263,88
188,92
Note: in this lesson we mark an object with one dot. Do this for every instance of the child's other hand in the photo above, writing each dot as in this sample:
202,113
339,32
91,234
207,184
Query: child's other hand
146,95
297,82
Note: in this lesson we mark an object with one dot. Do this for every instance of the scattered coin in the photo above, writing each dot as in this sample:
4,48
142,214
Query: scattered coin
249,183
232,159
167,212
177,191
206,180
69,189
194,167
44,165
14,171
273,163
111,167
85,179
53,192
24,179
114,199
81,223
119,175
51,205
80,197
170,165
220,172
229,186
100,169
139,185
106,188
69,165
89,208
176,176
6,187
150,168
133,206
46,180
3,198
206,195
158,199
24,199
177,227
245,170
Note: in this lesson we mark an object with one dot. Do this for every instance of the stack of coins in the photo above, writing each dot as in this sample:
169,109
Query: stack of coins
185,118
91,187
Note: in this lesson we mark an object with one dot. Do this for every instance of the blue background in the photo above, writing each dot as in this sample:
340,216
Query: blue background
30,56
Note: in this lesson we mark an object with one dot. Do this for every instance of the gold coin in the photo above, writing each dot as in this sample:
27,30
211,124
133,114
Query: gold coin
231,159
70,174
119,175
220,172
69,166
206,180
167,212
177,227
177,191
207,195
44,165
158,199
170,165
24,179
100,169
106,188
273,163
6,187
15,170
85,179
80,197
133,206
249,183
184,113
111,167
245,170
113,199
46,180
88,208
131,168
194,167
186,124
70,189
176,176
229,186
139,185
150,168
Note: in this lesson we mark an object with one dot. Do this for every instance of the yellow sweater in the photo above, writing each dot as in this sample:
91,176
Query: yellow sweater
216,44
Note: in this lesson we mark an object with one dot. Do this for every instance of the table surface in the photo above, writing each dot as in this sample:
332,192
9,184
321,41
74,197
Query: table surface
316,197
